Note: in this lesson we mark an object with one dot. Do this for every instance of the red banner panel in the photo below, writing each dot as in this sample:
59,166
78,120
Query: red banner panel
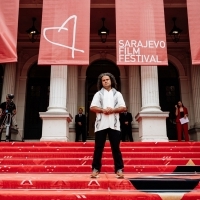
140,32
65,32
9,10
193,9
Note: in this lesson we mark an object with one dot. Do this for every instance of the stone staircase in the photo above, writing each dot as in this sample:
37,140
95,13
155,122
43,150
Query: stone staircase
61,170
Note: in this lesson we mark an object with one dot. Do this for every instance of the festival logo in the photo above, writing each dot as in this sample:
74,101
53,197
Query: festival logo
133,51
65,33
140,33
63,28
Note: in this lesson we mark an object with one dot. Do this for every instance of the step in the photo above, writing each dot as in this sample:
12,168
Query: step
82,155
93,195
87,168
106,187
107,144
91,149
105,161
131,182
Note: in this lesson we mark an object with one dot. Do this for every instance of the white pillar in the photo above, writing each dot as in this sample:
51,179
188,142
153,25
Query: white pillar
196,93
72,92
9,80
56,119
124,89
58,89
134,97
152,121
81,92
150,95
185,97
21,99
195,78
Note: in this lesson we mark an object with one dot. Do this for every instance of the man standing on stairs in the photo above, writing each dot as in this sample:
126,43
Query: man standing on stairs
125,119
80,123
107,103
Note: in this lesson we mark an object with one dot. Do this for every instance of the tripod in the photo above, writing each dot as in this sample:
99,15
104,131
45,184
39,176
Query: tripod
6,124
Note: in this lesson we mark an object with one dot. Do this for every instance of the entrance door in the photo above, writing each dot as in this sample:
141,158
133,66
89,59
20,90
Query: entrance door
169,94
37,100
93,71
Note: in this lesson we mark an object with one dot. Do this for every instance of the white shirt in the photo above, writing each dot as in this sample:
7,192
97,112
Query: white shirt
107,121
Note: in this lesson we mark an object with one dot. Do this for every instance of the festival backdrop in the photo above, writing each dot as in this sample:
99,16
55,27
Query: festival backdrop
140,32
65,32
193,9
9,11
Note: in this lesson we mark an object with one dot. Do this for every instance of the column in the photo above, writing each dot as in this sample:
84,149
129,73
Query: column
152,121
124,89
185,93
195,78
149,83
81,92
9,80
72,92
134,97
56,119
58,89
81,96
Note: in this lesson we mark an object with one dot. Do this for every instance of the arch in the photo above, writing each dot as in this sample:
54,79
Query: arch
177,64
100,66
28,64
98,57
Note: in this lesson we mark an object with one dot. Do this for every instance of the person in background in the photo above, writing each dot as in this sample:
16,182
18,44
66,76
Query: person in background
80,125
181,112
125,124
7,109
107,103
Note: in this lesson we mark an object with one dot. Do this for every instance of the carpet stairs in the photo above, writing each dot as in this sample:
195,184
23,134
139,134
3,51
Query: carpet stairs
61,170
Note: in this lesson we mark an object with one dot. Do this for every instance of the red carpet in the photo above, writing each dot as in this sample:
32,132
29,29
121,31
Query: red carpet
61,170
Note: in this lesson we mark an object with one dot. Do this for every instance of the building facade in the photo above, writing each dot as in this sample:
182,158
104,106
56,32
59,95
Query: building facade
48,96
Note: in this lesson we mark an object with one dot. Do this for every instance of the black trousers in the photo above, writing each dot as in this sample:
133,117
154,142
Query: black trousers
80,131
100,139
126,131
6,119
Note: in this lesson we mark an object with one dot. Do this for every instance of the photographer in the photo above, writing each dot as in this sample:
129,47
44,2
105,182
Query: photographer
7,109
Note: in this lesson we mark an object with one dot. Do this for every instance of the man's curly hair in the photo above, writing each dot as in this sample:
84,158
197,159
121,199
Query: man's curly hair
112,78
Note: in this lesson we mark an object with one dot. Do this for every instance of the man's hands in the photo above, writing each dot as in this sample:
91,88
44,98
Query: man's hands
108,111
